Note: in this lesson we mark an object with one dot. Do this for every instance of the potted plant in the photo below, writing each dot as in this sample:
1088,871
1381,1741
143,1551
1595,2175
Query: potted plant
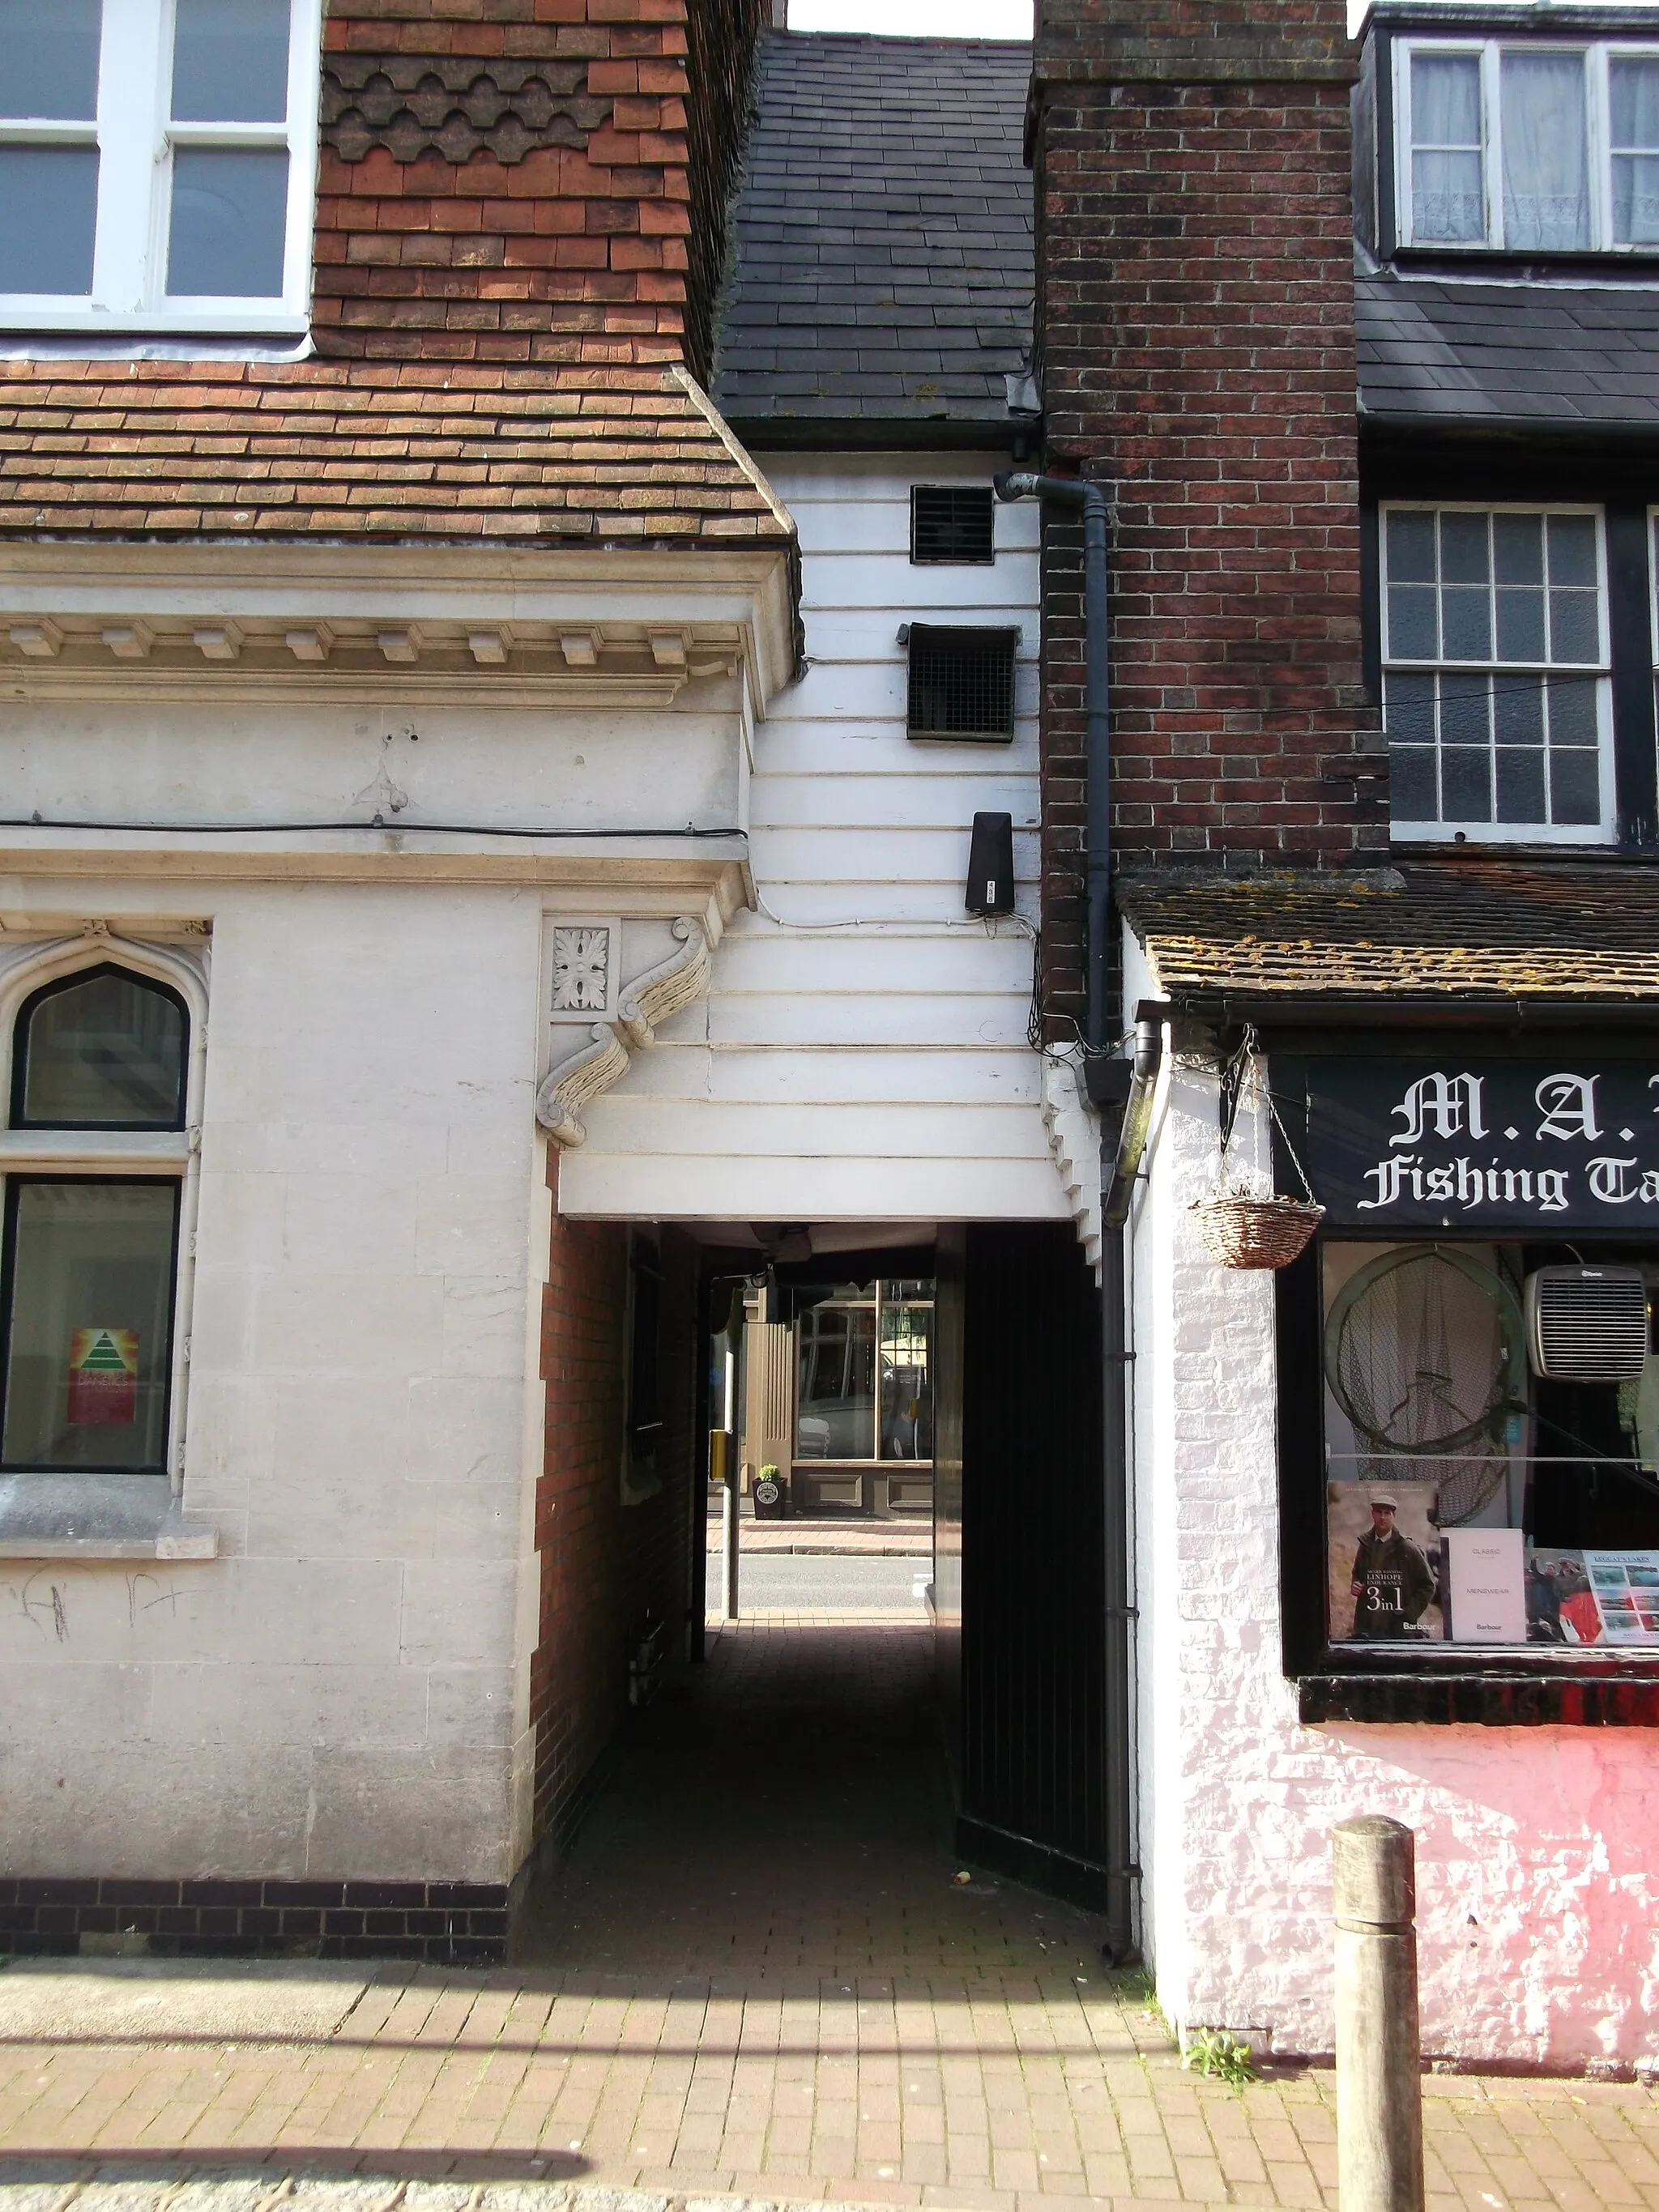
771,1500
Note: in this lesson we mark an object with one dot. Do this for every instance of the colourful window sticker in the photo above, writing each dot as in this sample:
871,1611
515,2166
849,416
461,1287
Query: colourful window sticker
103,1377
1627,1586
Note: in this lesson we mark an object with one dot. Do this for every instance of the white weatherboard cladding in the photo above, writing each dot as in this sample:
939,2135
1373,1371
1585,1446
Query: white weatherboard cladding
1538,1896
842,1071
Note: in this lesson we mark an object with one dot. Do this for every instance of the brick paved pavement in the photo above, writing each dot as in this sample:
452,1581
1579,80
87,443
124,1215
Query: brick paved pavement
757,1977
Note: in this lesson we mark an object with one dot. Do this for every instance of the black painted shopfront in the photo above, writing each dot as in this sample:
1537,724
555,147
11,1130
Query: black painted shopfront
1469,1379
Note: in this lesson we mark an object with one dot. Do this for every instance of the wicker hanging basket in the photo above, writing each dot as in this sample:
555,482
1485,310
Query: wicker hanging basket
1243,1223
1240,1231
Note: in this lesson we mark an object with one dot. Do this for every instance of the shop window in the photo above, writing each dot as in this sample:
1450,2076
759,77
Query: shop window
952,526
1495,685
1528,148
156,161
864,1374
1488,1358
88,1284
961,682
1489,1482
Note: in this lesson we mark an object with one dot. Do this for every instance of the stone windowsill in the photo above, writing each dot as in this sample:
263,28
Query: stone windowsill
98,1517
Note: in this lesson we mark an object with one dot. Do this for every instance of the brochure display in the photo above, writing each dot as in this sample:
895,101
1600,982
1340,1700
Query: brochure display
1485,1585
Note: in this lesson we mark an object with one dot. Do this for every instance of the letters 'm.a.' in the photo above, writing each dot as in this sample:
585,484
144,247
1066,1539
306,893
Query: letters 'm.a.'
1442,1106
1567,1103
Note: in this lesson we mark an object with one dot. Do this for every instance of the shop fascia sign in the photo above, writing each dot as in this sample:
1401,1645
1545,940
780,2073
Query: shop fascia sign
1552,1145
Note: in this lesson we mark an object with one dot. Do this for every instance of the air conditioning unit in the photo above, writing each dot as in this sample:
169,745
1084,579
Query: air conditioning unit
1587,1324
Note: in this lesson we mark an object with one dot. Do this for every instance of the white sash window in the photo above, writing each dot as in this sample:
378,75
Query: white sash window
157,161
1528,148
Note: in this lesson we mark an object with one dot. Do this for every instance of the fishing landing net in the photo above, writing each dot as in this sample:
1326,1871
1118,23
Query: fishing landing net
1418,1357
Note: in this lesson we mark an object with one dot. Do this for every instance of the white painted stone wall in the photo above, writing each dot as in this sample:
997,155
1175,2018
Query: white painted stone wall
862,1053
1538,1884
338,1692
342,1692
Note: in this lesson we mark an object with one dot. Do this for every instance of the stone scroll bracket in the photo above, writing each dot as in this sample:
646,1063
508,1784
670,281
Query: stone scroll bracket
603,1057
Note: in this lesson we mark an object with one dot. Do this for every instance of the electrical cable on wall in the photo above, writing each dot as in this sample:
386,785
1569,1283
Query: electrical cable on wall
377,822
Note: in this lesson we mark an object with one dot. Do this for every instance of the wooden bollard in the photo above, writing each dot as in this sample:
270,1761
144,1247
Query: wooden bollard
1379,2087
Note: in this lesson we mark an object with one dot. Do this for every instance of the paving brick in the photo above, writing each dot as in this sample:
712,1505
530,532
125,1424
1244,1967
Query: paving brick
628,2026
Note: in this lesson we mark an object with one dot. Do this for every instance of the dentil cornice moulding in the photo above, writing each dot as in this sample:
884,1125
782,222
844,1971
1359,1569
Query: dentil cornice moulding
395,624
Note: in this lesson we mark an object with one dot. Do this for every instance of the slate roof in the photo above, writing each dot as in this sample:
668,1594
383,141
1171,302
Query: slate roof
1556,357
883,268
373,450
1494,932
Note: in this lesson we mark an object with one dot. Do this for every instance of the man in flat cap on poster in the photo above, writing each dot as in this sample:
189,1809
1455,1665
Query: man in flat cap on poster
1392,1583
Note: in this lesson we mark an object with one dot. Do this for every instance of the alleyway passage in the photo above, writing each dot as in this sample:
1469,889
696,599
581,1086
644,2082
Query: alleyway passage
757,1975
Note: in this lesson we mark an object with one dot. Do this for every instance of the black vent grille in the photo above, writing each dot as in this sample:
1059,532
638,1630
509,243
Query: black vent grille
952,526
962,683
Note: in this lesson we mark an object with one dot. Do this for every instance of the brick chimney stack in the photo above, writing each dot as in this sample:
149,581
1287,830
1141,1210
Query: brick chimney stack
1194,272
527,181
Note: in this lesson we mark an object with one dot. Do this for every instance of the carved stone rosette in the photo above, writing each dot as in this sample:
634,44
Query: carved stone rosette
650,999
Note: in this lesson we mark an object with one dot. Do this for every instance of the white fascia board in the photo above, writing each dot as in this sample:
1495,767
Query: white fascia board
658,875
624,1187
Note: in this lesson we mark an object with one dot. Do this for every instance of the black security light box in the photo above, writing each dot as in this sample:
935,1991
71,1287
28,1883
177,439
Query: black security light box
991,865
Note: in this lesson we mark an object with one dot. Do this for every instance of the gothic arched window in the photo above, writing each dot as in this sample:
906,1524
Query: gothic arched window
100,1050
91,1258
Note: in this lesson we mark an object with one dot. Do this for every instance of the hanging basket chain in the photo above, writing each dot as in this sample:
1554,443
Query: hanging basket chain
1243,1228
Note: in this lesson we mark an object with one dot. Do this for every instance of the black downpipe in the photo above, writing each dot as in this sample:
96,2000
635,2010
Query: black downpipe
1091,500
1127,1087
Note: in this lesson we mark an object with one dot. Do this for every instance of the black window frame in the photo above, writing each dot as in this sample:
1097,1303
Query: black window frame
922,527
1438,1682
57,987
15,1186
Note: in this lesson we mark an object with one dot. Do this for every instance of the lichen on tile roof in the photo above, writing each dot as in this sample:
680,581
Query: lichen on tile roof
373,451
1489,930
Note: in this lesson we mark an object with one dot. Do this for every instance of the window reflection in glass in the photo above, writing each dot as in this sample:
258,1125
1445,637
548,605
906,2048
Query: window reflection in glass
1633,87
89,1325
48,219
49,59
1471,1495
1509,743
229,222
863,1373
106,1050
835,1400
907,1391
230,61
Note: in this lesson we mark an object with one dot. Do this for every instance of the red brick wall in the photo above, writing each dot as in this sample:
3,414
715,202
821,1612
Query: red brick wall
512,180
1195,303
604,1565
